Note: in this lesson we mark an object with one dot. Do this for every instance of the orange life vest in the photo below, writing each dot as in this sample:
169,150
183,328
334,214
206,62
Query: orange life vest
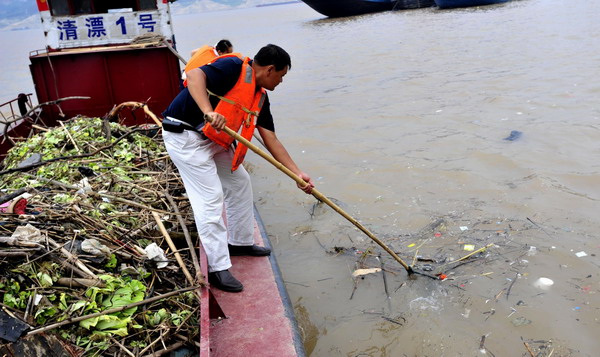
240,107
202,56
205,55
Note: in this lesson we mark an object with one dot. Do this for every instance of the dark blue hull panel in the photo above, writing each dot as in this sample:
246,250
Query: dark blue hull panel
340,8
447,4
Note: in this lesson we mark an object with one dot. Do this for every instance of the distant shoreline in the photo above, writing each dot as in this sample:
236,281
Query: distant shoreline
279,3
18,23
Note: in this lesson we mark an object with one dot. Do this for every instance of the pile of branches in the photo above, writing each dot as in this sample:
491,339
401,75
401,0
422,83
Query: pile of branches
94,242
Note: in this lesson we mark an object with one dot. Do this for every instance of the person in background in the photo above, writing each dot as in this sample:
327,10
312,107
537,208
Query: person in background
222,47
206,54
207,161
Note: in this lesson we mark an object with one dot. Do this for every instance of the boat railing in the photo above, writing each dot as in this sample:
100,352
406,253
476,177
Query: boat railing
11,116
142,41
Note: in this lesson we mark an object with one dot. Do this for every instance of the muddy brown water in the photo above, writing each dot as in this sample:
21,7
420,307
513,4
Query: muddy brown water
400,117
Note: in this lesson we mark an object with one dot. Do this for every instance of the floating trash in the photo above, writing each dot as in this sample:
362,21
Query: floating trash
360,272
520,321
427,267
581,254
426,303
543,283
514,135
467,313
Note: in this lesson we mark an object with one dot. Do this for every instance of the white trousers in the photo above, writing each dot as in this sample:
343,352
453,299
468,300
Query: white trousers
205,169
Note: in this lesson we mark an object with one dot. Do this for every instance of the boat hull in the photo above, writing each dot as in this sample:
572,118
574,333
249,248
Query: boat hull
449,4
260,320
341,8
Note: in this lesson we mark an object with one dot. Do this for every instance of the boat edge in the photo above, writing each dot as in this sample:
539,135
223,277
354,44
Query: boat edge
285,298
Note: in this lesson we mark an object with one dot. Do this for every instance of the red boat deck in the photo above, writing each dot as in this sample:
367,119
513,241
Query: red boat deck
260,320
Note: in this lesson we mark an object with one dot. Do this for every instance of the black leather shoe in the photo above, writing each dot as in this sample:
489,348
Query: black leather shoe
252,250
223,280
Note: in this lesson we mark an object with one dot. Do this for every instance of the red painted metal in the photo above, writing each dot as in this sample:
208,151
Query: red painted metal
110,76
18,130
209,308
256,324
204,309
42,5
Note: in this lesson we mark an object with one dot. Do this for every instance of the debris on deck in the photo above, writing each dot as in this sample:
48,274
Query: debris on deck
84,257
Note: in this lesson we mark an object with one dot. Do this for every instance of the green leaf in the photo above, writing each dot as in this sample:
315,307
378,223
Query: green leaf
159,317
78,305
112,262
10,300
119,332
45,280
106,325
62,303
133,291
42,315
89,323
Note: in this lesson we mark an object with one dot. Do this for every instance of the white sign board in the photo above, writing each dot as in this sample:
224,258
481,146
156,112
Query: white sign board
107,28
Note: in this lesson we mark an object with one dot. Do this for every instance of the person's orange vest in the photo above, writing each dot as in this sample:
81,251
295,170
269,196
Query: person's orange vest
240,107
203,56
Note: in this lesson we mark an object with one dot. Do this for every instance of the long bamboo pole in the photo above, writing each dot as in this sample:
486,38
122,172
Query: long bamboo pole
318,195
163,230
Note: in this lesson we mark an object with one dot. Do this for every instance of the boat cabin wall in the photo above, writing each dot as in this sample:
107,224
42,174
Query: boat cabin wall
108,77
88,23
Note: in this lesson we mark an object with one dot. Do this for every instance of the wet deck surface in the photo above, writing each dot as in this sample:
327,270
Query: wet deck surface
256,323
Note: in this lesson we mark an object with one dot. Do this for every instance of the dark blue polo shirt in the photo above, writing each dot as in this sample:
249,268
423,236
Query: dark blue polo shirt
221,76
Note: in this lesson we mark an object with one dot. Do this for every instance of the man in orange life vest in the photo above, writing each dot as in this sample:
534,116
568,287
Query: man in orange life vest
230,91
